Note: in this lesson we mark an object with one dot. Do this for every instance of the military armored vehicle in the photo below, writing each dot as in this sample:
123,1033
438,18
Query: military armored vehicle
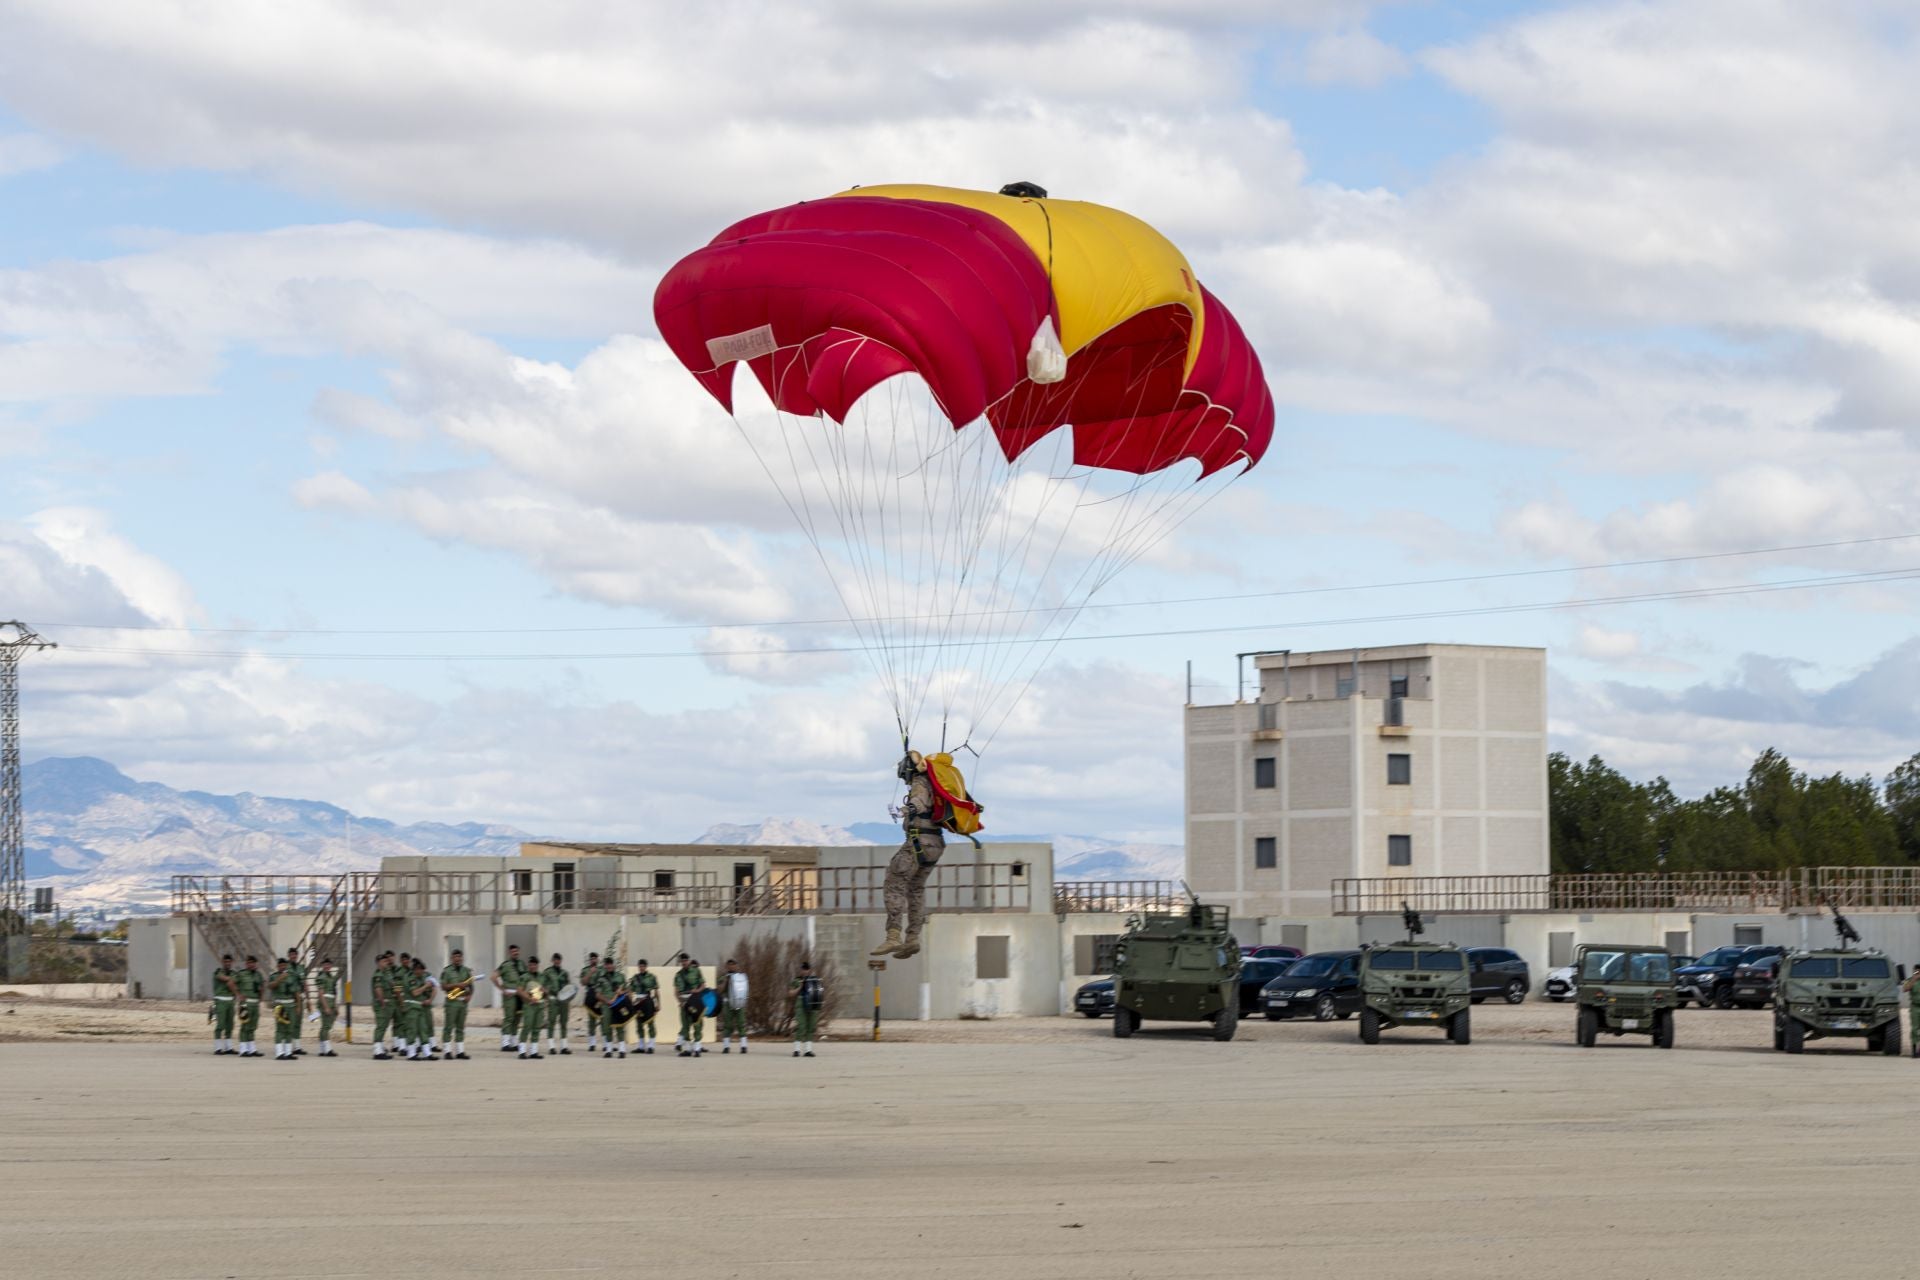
1177,966
1837,992
1415,984
1623,990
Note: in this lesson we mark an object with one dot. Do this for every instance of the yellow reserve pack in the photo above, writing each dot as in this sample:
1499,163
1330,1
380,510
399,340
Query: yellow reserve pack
952,809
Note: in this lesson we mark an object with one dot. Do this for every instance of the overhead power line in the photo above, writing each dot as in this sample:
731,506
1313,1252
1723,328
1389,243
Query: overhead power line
843,620
1539,606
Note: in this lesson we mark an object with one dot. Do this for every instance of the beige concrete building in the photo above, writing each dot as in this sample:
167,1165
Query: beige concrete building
1416,760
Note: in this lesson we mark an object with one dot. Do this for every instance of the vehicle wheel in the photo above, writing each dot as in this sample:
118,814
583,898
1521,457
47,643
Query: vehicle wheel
1779,1033
1890,1040
1460,1027
1323,1010
1680,1002
1663,1029
1516,992
1476,999
1793,1037
1225,1021
1723,996
1085,1014
1369,1027
1586,1029
1125,1022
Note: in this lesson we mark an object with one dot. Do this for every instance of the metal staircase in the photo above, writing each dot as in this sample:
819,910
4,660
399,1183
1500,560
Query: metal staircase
224,921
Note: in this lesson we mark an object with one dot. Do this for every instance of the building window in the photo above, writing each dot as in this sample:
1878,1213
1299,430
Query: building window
1263,773
1343,686
990,956
522,883
1397,687
663,882
1399,851
1399,769
563,886
1266,852
1748,935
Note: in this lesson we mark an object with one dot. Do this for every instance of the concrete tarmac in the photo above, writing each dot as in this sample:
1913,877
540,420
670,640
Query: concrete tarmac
1293,1151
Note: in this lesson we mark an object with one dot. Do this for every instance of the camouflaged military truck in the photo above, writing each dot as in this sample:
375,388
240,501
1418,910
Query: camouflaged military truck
1837,992
1623,990
1415,984
1177,966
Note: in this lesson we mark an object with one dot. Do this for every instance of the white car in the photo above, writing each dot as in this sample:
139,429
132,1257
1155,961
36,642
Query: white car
1560,983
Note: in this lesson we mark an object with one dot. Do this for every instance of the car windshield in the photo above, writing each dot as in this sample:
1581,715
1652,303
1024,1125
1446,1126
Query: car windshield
1721,955
1312,967
1626,966
1817,967
1864,968
1432,960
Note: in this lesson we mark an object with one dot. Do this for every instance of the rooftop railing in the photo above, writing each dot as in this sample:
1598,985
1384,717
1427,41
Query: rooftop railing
1848,888
1116,896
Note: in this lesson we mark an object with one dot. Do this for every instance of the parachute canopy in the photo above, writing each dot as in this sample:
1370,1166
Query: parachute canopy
1017,383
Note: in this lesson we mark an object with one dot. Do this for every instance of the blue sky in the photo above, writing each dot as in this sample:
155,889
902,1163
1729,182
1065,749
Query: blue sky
342,323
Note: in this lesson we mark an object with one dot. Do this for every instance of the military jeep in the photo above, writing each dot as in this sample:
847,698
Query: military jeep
1623,990
1837,992
1415,984
1177,966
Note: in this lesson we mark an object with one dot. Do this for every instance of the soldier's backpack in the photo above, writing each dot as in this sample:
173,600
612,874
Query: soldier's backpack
813,993
952,809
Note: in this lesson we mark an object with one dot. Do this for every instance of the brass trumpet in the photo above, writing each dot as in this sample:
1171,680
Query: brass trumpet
283,1014
460,991
533,993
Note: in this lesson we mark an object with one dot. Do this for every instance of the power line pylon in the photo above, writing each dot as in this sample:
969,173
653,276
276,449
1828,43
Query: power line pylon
16,638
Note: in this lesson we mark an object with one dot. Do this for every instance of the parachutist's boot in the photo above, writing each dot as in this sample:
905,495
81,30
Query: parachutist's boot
891,945
908,948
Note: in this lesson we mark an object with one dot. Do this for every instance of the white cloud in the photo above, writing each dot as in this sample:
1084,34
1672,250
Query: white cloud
1355,57
25,153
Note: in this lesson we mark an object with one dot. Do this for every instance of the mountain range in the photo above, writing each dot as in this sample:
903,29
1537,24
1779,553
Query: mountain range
107,842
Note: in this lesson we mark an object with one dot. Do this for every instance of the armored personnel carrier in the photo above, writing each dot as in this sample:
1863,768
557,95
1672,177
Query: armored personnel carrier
1624,990
1415,984
1837,992
1179,966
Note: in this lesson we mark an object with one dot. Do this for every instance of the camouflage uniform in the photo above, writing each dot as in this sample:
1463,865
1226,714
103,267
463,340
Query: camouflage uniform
644,985
326,991
285,989
223,1001
453,1032
249,983
513,974
687,986
919,853
558,1012
1913,1012
386,1005
606,985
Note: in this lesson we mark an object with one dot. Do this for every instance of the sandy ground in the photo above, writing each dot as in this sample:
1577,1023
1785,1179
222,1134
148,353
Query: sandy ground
1041,1148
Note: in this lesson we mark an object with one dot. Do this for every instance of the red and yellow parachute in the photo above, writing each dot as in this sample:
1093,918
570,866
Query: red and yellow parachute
1065,386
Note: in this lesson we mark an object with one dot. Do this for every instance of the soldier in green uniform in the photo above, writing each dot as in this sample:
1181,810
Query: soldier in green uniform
1912,988
248,985
300,996
418,1005
456,982
383,1004
326,1000
509,977
224,997
808,994
733,1008
402,1018
554,979
284,989
645,988
690,989
589,1000
606,986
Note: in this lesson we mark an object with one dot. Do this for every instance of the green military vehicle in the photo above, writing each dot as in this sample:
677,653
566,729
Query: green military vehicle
1177,966
1415,984
1624,990
1837,992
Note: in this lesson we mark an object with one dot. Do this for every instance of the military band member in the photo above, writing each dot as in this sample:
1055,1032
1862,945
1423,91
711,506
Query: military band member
224,998
326,998
1912,988
284,988
589,1002
554,979
248,986
733,1007
419,1012
606,987
808,994
645,988
457,981
402,1017
384,1004
690,989
511,976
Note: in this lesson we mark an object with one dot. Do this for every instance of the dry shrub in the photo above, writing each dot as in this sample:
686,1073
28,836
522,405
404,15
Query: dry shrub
771,964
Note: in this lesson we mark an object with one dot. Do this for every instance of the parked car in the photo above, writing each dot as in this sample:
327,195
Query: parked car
1322,986
1255,974
1269,951
1498,972
1094,999
1709,979
1559,984
1751,986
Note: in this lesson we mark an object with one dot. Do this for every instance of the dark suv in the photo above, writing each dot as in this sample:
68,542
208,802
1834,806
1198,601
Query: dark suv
1255,974
1497,971
1322,986
1751,986
1710,978
1095,999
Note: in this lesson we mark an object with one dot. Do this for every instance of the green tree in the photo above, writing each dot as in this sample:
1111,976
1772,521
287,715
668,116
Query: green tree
1903,806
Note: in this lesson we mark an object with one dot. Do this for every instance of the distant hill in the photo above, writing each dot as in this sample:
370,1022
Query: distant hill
1074,857
103,839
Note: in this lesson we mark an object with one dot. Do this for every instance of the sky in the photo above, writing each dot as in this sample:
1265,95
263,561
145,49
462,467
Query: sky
339,453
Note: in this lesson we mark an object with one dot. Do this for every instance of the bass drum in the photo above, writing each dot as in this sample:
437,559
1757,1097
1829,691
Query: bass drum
621,1009
568,993
709,1001
645,1006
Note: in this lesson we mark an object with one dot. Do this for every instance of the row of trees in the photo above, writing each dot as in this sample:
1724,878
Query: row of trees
1777,819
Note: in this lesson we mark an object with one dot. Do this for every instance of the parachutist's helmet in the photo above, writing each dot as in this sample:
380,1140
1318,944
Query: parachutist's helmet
910,764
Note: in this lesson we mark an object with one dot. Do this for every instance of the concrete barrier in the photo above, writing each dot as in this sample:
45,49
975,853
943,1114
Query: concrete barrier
64,990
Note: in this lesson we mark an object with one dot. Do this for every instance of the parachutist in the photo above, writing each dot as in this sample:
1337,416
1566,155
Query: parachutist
906,885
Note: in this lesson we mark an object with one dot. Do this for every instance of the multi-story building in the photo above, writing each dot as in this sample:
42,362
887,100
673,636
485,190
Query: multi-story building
1416,760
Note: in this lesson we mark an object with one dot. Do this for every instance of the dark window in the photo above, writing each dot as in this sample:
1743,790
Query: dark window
1343,686
1399,851
663,882
1864,969
1441,960
1747,935
1312,967
990,956
1397,687
1266,851
563,886
1263,772
523,882
1399,769
1820,967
